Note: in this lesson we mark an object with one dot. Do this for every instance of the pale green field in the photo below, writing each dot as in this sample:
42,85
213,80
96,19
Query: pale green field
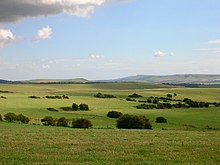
191,136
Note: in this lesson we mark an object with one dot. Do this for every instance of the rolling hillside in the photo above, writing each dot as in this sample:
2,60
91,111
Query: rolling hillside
174,79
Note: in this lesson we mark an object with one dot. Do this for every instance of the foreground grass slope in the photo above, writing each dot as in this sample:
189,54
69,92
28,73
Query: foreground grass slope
27,144
191,136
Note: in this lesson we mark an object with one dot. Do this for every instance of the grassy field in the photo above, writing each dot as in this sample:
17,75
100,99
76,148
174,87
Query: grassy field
191,136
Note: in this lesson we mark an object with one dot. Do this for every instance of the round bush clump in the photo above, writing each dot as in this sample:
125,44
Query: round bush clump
81,123
133,122
0,117
161,120
48,121
75,107
114,114
84,107
62,122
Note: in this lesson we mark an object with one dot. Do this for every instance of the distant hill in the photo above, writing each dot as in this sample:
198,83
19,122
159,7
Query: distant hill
4,81
173,79
56,81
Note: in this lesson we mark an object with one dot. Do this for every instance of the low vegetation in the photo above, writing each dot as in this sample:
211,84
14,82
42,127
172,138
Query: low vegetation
133,122
100,95
114,114
12,117
161,120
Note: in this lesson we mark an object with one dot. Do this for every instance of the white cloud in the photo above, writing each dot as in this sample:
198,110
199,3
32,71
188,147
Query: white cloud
45,66
6,37
159,54
44,33
15,10
97,57
214,41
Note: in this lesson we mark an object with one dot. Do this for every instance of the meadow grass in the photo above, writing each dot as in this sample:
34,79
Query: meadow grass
28,144
191,136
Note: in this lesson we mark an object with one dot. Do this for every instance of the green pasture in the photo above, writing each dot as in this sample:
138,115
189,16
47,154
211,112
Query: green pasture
191,135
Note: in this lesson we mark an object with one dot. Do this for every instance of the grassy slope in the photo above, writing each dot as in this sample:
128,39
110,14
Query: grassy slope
186,140
52,145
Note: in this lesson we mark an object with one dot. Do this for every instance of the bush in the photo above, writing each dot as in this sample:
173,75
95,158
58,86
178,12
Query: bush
81,123
149,100
84,107
155,101
145,106
62,122
114,114
133,122
0,117
48,120
75,107
161,120
52,109
23,119
135,95
66,108
10,117
34,97
129,99
100,95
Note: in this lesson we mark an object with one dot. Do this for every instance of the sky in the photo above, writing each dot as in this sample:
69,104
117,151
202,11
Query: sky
107,39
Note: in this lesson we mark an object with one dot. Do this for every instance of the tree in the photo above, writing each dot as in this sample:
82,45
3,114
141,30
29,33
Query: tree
75,107
133,122
62,122
23,119
81,123
114,114
84,107
48,121
169,95
10,117
161,120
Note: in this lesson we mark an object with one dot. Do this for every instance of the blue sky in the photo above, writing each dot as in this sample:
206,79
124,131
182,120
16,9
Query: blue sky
105,39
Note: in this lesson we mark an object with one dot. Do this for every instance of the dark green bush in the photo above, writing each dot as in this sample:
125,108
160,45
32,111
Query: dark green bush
145,106
0,117
75,107
114,114
23,119
100,95
161,120
135,95
66,108
52,109
133,122
10,117
149,100
62,122
155,101
84,107
81,123
48,121
129,99
34,97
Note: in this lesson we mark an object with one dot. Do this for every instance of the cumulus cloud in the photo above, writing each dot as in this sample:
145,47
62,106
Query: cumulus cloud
6,37
15,10
214,41
97,57
159,54
44,33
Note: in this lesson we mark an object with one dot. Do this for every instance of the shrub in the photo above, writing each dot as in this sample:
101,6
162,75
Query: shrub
23,119
52,109
155,101
84,107
0,117
66,108
129,99
169,95
48,120
149,100
135,95
133,122
34,97
145,106
100,95
10,117
161,120
81,123
62,122
75,107
65,97
114,114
